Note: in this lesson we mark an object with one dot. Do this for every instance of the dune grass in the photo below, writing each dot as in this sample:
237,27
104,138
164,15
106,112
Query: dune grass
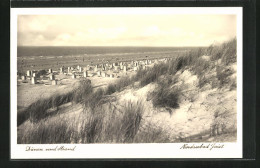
111,89
39,109
226,52
151,133
166,97
45,132
223,76
123,82
190,60
131,120
94,99
105,125
82,91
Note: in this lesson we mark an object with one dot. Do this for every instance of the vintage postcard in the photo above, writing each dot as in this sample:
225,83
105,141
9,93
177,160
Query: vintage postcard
126,82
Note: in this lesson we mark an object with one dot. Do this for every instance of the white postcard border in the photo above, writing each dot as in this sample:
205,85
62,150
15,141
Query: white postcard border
151,150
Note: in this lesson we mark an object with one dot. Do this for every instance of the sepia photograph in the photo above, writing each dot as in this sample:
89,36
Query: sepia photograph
127,76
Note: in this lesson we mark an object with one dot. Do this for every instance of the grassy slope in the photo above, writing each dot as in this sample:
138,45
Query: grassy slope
99,121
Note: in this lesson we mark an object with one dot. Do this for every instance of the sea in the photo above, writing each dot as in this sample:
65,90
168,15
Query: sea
28,51
44,57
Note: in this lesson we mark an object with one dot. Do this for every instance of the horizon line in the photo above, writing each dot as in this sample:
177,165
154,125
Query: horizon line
104,46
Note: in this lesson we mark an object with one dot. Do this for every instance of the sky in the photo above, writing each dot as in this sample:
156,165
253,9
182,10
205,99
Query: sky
125,30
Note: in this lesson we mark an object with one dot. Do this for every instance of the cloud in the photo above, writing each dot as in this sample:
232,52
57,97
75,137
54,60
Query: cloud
152,31
126,30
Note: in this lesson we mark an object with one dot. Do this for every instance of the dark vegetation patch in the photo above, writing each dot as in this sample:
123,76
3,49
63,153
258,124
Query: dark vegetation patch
41,72
111,89
166,94
223,75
